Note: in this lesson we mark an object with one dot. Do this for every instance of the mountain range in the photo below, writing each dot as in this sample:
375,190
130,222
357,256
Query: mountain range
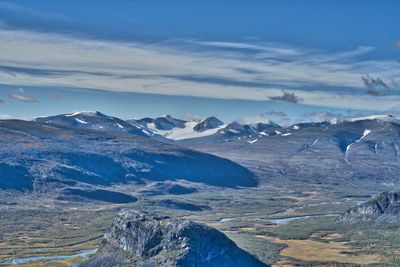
68,151
165,128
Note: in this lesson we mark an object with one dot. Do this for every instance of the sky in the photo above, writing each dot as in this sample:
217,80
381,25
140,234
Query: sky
287,61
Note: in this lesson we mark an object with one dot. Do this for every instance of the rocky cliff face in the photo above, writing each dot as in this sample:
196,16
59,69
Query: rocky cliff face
384,207
140,239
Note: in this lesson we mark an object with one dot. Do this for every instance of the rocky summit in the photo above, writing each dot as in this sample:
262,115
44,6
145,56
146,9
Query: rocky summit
385,207
140,239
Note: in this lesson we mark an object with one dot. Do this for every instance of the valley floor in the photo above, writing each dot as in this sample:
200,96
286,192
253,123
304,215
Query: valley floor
285,221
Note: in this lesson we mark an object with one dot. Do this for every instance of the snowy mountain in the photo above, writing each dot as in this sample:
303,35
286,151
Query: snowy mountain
237,131
94,120
177,129
360,148
165,128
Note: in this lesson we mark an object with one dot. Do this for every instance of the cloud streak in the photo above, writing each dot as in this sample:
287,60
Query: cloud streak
258,118
8,72
375,85
191,68
20,95
371,82
5,117
287,97
276,113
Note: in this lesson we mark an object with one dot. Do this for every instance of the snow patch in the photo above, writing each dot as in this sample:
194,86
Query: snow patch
296,127
252,141
183,133
88,113
81,121
234,131
366,132
286,134
316,141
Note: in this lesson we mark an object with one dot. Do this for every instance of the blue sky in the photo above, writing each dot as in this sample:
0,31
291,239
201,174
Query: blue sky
285,60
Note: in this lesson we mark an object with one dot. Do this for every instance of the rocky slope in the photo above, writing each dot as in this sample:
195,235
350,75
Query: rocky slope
364,148
384,207
52,158
139,239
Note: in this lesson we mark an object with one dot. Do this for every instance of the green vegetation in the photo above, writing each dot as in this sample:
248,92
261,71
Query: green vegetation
31,223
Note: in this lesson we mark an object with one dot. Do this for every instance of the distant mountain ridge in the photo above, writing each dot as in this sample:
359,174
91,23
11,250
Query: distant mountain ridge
208,130
165,128
162,128
363,149
93,120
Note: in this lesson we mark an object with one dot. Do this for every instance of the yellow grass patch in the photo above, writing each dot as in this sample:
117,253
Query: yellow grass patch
309,250
214,223
247,229
332,236
231,231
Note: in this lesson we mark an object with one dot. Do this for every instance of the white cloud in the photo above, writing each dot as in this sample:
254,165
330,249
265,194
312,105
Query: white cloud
258,118
192,117
20,95
5,117
184,69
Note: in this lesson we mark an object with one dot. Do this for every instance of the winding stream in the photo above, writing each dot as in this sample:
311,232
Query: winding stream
286,220
21,261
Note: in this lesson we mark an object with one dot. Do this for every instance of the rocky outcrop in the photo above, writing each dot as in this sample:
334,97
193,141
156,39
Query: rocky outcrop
139,239
383,207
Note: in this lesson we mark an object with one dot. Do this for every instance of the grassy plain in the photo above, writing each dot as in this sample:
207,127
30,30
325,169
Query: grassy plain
34,225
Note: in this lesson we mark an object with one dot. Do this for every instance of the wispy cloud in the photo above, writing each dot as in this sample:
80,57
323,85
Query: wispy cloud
20,95
257,118
287,97
192,117
375,85
319,116
276,113
273,50
7,72
190,68
372,82
5,116
56,96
